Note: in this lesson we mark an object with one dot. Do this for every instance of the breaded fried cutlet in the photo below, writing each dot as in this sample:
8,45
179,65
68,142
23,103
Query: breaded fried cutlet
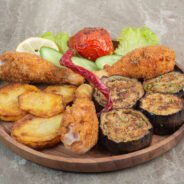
147,62
29,68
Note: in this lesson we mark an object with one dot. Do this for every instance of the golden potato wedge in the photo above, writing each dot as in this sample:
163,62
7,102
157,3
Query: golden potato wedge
41,104
37,133
12,118
9,107
67,91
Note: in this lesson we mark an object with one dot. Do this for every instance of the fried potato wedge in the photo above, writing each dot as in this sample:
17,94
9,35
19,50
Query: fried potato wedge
41,104
67,91
37,133
9,107
12,118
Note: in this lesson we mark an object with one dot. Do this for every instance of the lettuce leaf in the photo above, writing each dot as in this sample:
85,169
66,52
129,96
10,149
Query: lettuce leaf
61,40
48,35
131,38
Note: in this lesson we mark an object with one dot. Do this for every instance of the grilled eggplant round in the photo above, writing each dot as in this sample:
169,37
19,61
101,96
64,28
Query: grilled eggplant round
165,112
171,83
124,131
125,92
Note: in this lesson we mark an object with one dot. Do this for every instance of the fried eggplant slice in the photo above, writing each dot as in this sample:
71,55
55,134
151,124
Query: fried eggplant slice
79,129
66,91
9,107
147,62
37,133
124,91
124,130
41,104
29,68
172,83
165,112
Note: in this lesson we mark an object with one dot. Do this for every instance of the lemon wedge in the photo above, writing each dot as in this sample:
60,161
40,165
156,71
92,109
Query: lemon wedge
33,45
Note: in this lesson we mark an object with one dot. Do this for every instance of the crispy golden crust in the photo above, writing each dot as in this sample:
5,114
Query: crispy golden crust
37,133
66,91
12,118
147,62
9,107
41,104
30,68
79,129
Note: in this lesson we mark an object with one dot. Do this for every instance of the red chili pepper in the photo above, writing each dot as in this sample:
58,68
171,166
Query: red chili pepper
66,61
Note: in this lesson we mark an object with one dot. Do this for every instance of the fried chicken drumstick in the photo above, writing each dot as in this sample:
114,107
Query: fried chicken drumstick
146,62
30,68
79,130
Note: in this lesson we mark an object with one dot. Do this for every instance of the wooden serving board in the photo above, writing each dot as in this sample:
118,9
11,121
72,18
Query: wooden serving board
96,160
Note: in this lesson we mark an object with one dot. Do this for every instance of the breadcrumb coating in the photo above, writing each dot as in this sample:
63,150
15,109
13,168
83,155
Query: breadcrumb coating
147,62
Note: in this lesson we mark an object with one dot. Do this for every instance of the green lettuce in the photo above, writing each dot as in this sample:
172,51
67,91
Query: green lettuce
48,35
61,40
131,38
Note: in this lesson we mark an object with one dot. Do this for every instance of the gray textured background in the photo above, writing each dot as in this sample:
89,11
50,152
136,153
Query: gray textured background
20,19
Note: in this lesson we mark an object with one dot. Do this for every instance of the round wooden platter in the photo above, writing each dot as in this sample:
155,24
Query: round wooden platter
96,160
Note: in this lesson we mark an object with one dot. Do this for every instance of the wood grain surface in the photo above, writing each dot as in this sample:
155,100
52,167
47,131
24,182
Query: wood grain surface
97,160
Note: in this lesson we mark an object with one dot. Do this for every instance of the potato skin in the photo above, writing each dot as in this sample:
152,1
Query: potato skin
12,118
9,107
30,131
147,62
66,91
41,104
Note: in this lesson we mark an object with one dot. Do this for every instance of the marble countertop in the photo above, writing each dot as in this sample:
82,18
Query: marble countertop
20,19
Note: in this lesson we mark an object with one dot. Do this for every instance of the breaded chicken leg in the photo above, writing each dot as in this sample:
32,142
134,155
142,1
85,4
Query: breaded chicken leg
79,128
147,62
30,68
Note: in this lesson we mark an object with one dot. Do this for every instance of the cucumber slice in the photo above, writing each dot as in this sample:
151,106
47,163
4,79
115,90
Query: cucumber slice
85,63
54,56
107,60
51,55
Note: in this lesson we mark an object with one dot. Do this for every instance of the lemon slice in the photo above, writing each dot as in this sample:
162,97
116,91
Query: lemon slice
33,45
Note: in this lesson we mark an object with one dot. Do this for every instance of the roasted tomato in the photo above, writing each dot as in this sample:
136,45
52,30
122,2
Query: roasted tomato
92,43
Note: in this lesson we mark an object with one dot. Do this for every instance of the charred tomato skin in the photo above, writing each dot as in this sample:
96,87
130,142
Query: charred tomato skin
92,43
